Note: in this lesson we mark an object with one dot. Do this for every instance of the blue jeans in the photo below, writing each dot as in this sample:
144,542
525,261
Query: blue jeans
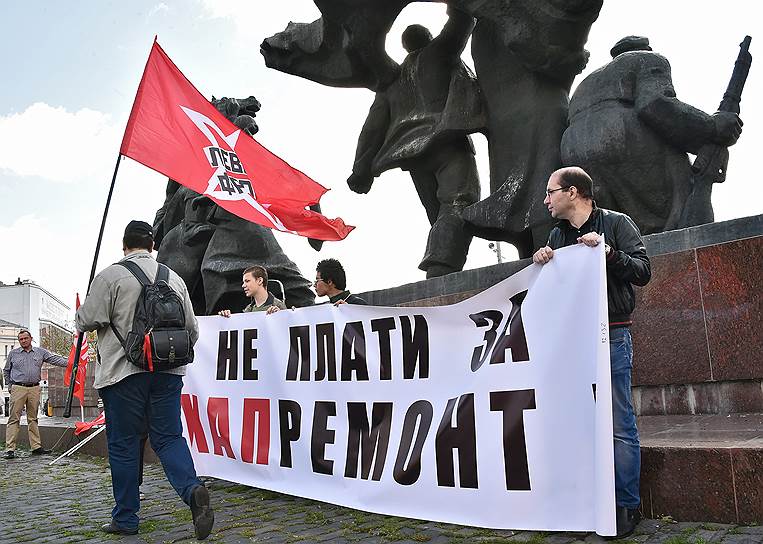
627,446
143,401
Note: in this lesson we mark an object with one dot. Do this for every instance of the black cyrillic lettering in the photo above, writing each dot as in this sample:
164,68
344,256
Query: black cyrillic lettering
354,352
513,404
326,347
491,318
235,164
227,355
382,327
250,354
408,462
372,444
463,439
515,340
299,353
290,425
415,347
321,436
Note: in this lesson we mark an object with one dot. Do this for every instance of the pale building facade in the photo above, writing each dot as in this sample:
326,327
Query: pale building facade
32,307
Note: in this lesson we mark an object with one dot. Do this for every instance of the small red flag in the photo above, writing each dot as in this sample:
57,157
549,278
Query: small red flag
84,357
174,130
81,427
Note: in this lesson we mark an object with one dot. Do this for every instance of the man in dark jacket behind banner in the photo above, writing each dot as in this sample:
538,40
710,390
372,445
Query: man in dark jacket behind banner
331,281
569,198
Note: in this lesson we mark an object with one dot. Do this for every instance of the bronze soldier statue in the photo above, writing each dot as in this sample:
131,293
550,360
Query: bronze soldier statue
631,133
526,54
420,123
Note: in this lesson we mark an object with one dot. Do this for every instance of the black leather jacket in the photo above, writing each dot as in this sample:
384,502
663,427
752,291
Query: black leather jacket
348,298
627,264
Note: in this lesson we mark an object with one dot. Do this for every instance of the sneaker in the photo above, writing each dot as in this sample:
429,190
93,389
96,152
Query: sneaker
114,529
203,515
10,454
40,451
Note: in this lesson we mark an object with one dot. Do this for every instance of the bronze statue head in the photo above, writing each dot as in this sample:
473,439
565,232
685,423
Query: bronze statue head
630,43
416,37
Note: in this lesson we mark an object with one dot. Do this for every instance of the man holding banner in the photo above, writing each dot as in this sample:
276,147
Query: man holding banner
569,198
133,398
331,282
255,286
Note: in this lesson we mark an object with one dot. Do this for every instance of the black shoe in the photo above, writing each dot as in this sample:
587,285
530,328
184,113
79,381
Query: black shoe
203,515
627,520
40,451
114,529
10,454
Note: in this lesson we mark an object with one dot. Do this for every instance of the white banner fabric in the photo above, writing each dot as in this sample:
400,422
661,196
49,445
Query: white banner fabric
493,412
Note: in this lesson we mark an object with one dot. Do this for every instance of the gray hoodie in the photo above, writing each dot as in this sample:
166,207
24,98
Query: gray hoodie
112,299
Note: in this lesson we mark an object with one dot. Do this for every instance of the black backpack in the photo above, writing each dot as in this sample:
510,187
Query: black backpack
158,339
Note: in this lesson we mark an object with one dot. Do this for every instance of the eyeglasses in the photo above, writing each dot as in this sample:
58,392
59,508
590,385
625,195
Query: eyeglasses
316,282
549,192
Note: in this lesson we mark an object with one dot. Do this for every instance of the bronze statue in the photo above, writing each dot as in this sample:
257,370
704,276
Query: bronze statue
526,53
209,247
628,130
420,122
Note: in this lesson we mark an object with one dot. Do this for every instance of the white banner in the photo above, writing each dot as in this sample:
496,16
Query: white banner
493,412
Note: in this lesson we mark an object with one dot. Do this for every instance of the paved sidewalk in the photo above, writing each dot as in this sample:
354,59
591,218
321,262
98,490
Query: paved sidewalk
68,502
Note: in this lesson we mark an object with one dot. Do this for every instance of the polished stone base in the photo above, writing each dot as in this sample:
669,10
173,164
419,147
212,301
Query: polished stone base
702,468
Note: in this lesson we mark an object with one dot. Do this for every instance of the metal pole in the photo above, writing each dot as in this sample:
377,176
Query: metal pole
78,350
79,445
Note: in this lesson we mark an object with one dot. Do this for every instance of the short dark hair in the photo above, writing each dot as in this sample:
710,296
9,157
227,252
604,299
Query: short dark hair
332,270
132,240
578,178
258,272
415,37
24,331
138,235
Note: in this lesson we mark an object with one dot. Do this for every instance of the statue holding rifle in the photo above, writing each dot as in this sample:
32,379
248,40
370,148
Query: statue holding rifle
631,133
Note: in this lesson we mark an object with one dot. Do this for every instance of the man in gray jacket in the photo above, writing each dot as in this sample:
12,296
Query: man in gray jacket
135,400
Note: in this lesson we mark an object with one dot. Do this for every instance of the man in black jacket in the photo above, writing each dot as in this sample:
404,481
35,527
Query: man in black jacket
331,281
569,198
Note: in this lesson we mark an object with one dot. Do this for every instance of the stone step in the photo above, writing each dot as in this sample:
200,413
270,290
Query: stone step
702,467
717,397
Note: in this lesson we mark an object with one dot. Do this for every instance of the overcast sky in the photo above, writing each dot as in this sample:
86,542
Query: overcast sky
71,69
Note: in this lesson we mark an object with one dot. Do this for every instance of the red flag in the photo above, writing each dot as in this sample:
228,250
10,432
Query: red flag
81,427
174,130
84,357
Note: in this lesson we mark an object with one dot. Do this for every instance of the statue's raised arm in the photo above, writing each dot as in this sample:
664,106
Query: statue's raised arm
344,48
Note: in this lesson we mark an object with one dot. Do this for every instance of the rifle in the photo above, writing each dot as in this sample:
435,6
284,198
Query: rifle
712,160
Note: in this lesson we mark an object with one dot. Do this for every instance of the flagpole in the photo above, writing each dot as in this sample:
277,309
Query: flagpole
81,335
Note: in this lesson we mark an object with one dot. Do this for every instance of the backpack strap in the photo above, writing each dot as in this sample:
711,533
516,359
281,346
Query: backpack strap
162,274
136,271
139,275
